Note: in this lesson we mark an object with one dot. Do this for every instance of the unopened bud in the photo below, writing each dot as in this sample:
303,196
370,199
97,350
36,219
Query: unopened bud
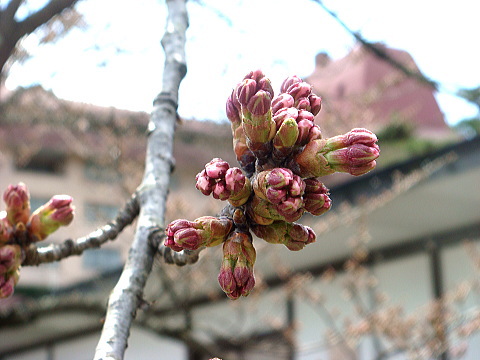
282,101
317,201
315,103
236,276
291,80
7,285
50,216
238,185
294,236
17,200
10,258
5,228
205,231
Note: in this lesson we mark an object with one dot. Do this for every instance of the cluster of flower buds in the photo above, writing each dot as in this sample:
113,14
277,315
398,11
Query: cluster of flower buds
282,155
19,228
224,182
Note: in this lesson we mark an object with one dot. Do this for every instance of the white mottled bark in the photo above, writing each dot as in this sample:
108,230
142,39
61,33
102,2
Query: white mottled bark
151,194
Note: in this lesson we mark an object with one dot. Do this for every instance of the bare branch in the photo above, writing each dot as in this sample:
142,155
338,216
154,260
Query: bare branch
110,231
152,193
40,17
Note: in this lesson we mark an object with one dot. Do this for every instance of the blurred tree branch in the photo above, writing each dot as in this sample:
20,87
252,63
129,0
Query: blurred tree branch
12,31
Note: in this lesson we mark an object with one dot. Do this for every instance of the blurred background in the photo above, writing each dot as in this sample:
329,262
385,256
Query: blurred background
394,271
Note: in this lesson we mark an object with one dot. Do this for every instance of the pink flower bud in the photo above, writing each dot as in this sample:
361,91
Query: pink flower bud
305,115
7,285
284,190
10,258
236,276
233,113
17,199
353,155
302,104
304,127
50,216
238,185
245,90
204,231
285,138
354,136
315,104
5,228
291,80
260,103
282,101
220,191
204,183
294,236
300,90
284,114
176,227
216,168
315,133
317,201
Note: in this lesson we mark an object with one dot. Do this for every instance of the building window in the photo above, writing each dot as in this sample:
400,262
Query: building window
102,259
44,161
100,213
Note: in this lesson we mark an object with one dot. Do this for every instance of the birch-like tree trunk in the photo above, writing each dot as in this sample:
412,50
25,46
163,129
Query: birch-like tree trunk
127,294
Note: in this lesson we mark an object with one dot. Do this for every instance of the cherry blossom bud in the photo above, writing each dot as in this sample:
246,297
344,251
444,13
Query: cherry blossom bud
315,133
10,258
17,200
300,90
304,127
291,80
315,103
216,168
244,155
285,139
302,104
50,216
238,185
317,201
354,136
233,112
220,190
204,183
236,276
263,83
305,115
5,228
204,231
282,101
354,153
7,284
245,90
284,114
294,236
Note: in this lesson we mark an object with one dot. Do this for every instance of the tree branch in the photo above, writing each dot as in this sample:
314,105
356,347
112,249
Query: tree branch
56,252
126,296
45,14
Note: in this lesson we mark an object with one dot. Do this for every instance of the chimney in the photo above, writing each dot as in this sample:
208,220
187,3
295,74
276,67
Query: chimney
322,59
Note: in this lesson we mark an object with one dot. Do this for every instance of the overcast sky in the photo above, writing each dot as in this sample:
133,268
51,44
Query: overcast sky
118,60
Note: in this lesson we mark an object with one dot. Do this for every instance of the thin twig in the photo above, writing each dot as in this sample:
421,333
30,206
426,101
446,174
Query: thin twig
110,231
152,193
